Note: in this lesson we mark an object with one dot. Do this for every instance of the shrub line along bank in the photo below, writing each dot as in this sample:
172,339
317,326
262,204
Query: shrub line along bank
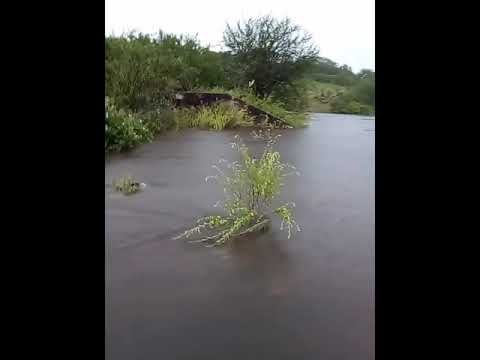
191,98
211,111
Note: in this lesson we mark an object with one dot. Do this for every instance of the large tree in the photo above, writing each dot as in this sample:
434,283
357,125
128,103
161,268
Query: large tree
274,53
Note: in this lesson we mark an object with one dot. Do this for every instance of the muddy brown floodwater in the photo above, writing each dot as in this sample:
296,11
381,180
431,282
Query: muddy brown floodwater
267,297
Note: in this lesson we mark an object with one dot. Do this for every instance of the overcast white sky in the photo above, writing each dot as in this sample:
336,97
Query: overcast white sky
344,30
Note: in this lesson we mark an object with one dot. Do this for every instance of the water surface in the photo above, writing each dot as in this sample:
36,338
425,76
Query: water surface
311,297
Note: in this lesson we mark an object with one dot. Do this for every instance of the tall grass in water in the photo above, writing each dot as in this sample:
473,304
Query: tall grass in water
217,117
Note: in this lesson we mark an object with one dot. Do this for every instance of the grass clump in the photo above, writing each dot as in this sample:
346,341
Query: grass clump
250,187
217,117
294,119
158,121
127,185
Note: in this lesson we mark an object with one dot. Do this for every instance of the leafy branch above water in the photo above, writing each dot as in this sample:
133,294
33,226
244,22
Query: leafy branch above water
250,187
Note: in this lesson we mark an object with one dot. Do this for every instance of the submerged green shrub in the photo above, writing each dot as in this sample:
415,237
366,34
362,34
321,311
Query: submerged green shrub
127,185
250,185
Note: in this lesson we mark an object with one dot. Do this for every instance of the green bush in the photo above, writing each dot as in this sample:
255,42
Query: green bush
367,110
144,71
123,129
347,104
344,79
364,91
294,96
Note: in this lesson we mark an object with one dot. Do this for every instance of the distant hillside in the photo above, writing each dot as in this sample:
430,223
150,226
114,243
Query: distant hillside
320,95
335,88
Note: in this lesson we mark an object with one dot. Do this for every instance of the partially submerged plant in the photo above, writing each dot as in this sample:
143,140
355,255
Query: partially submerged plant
250,186
127,185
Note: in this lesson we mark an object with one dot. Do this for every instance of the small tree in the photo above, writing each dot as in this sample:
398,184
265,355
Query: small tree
272,52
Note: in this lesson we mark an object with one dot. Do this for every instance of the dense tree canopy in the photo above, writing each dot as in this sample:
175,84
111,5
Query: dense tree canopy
143,69
274,53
